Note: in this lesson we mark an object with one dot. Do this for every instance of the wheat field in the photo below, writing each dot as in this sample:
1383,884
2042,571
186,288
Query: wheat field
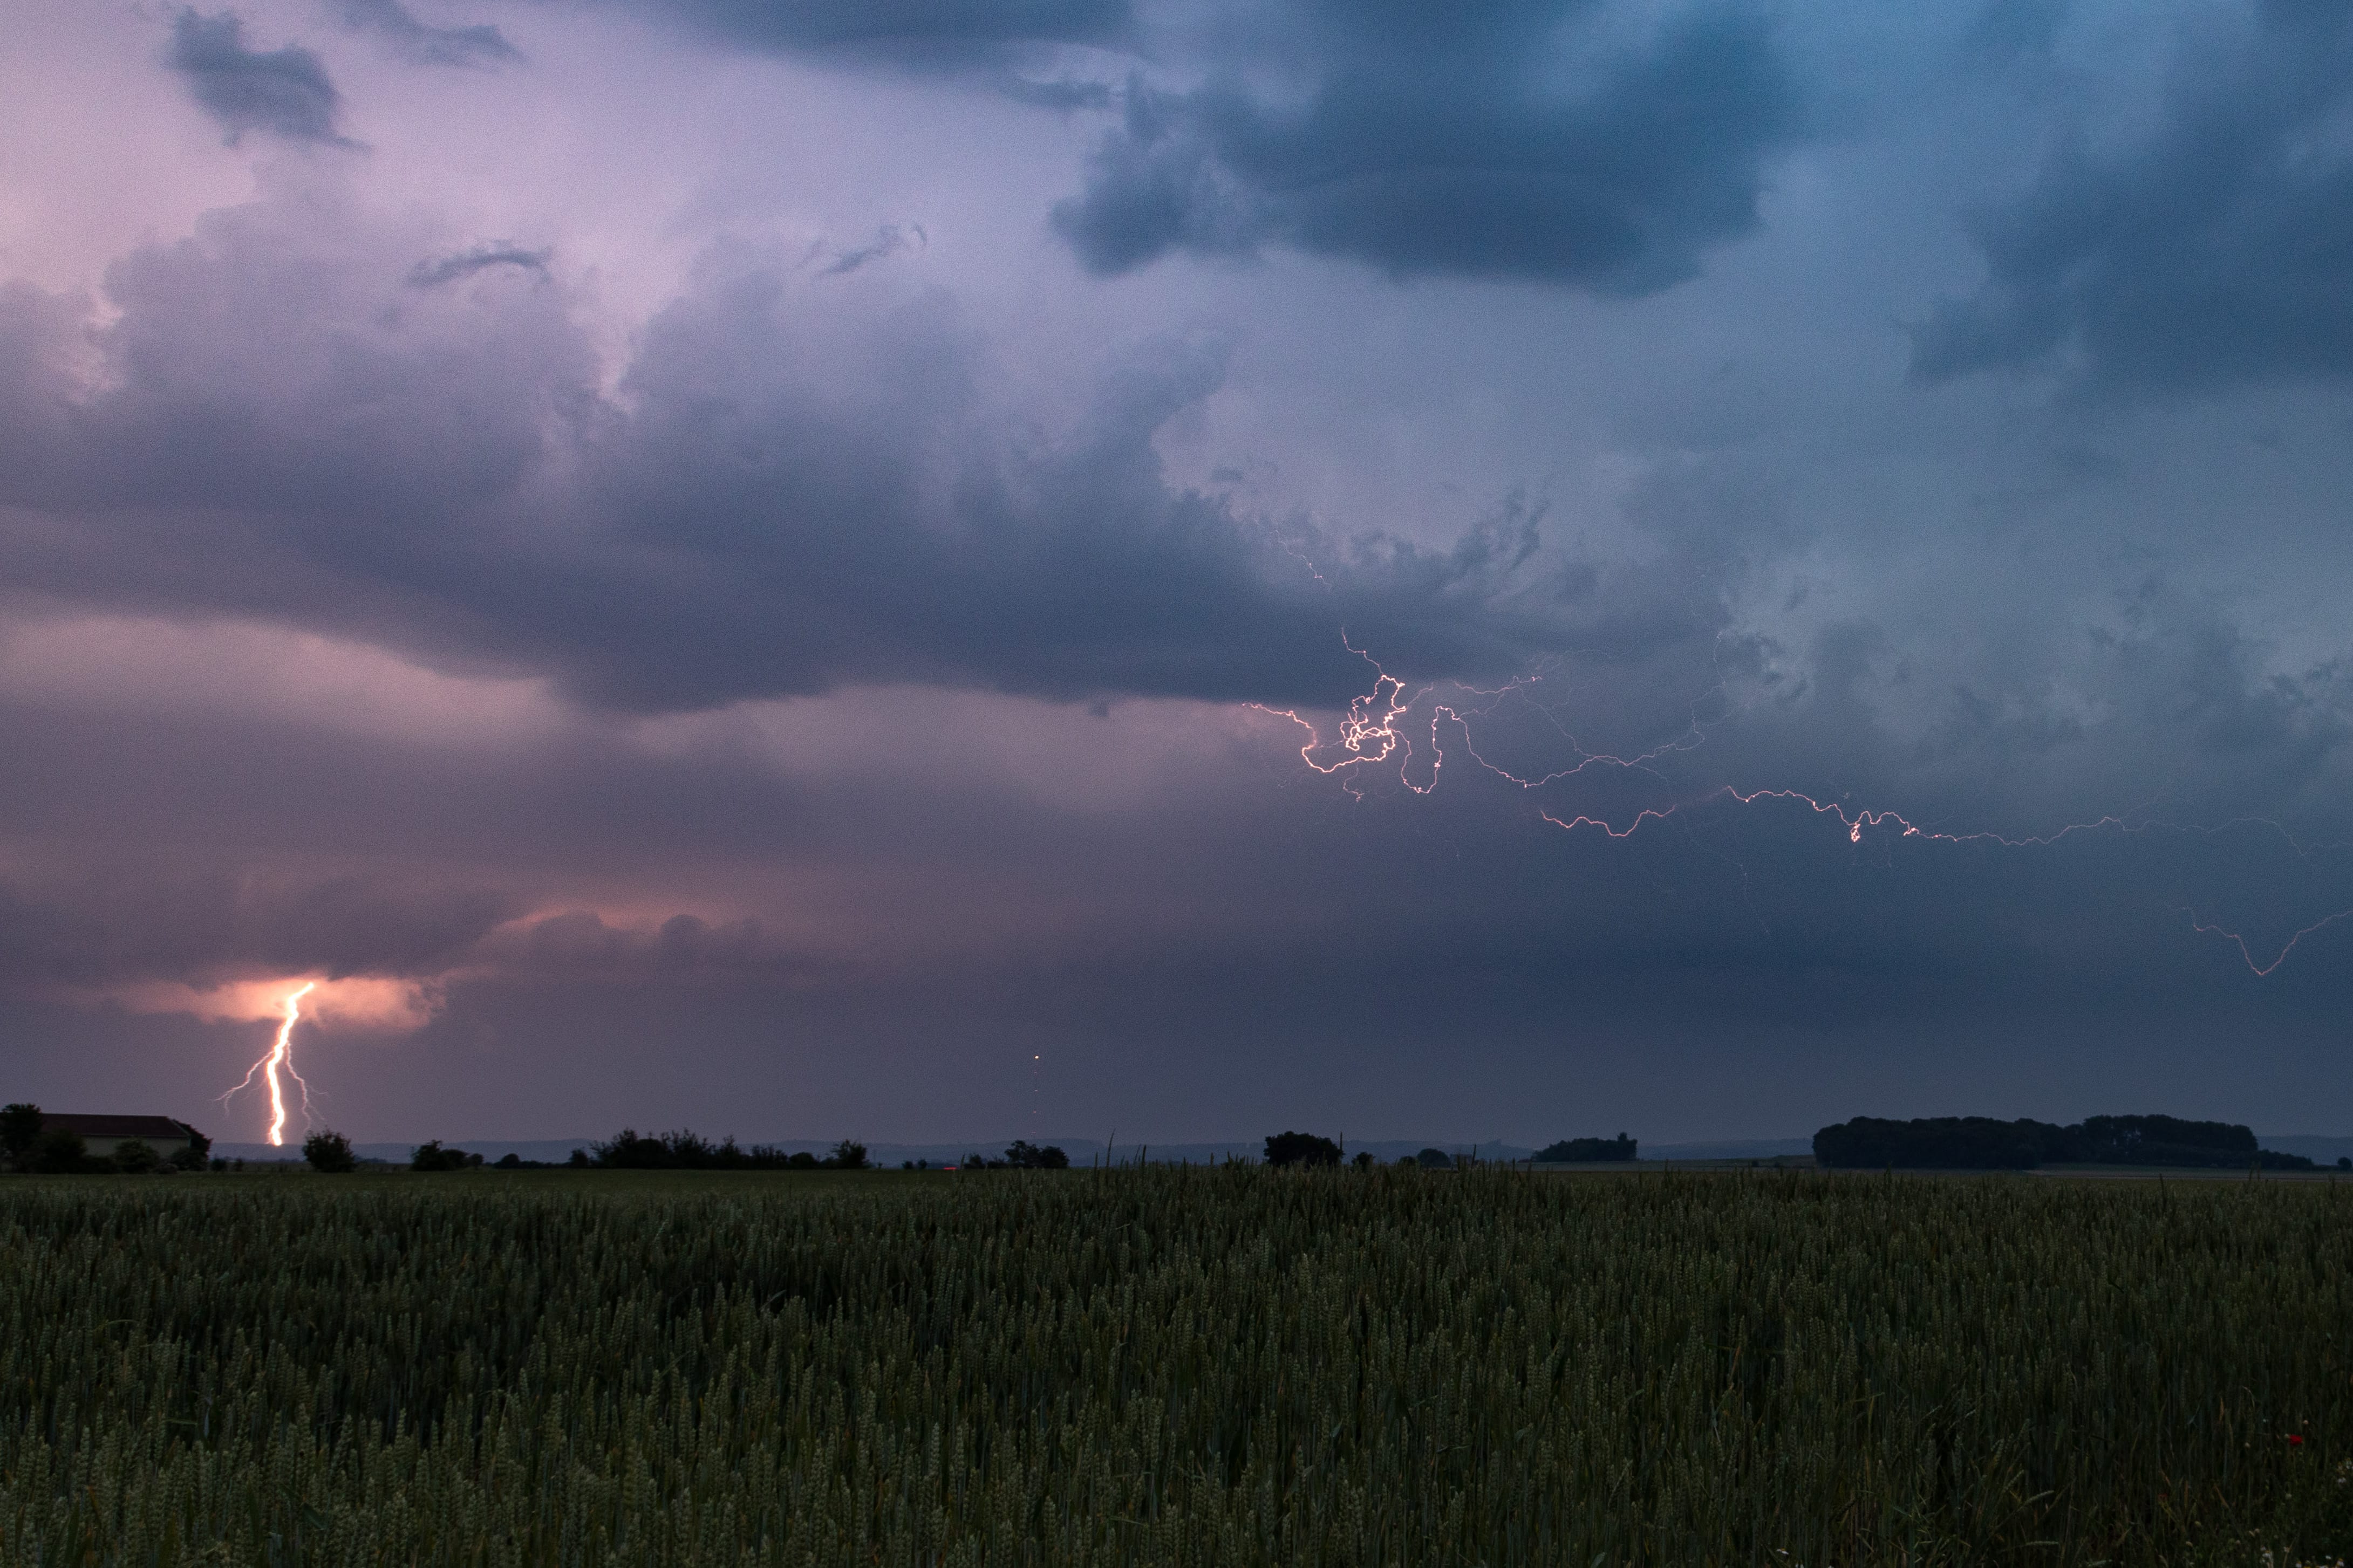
1228,1366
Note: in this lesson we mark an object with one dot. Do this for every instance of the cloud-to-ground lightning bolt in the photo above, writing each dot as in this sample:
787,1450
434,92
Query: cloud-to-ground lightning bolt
281,1056
1373,731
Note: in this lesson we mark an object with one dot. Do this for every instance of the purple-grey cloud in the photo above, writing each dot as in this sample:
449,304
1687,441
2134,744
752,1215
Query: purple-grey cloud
481,45
785,503
437,270
284,92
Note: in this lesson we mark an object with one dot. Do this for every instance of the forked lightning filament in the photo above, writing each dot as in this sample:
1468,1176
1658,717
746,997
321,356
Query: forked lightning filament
281,1055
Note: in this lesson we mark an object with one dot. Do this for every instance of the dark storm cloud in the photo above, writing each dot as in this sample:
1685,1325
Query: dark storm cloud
285,92
919,32
787,497
433,273
1479,140
1571,142
420,44
2216,249
104,926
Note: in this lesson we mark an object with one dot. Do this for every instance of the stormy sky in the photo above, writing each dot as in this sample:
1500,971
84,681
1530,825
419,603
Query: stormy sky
768,564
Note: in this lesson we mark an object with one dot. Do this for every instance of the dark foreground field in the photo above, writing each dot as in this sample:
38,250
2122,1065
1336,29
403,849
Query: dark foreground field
1212,1367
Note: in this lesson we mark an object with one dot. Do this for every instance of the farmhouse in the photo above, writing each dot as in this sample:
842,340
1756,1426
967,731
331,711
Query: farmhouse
102,1135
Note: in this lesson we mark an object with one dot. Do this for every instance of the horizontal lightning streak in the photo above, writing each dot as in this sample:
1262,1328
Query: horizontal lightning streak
1371,730
2241,942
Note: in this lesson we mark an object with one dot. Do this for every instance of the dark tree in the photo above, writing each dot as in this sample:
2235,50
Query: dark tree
1364,1159
690,1150
1434,1160
1027,1156
1935,1143
848,1156
1300,1149
59,1152
432,1158
136,1157
628,1151
1983,1144
20,1129
2168,1140
329,1153
197,1156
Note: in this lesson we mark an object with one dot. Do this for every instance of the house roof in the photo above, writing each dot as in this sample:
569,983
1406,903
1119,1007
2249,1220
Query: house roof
161,1127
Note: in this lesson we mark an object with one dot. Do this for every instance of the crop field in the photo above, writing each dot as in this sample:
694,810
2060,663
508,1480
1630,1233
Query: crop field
1227,1366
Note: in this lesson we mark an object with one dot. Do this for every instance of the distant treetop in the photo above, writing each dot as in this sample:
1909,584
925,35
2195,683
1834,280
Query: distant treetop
1300,1149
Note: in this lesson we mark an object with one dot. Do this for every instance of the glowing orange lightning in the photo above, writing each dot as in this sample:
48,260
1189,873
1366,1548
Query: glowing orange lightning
281,1055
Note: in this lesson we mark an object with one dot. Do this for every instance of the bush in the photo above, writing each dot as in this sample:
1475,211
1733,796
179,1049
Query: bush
58,1153
1364,1159
432,1157
136,1157
1300,1149
196,1153
329,1153
1027,1156
685,1151
1434,1160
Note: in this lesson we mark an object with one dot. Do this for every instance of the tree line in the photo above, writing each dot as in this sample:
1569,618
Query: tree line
1986,1143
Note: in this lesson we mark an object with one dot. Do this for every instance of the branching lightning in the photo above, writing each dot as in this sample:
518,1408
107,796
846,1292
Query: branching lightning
280,1055
1374,730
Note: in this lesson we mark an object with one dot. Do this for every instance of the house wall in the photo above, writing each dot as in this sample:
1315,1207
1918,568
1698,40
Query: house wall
104,1148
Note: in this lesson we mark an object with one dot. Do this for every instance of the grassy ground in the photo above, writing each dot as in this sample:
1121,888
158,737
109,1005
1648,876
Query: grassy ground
1227,1366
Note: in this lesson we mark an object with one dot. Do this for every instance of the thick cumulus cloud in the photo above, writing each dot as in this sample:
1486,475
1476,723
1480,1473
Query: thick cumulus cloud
786,494
285,91
2214,247
1508,140
1596,144
105,926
